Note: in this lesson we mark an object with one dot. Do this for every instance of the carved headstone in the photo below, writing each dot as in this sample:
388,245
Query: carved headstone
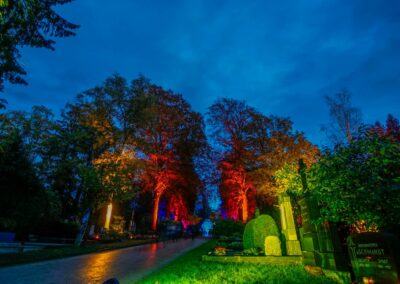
273,246
375,257
288,226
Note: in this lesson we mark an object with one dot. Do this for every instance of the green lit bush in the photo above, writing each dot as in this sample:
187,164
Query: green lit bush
257,230
248,235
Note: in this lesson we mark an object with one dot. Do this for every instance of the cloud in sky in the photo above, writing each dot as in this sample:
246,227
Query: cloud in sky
281,57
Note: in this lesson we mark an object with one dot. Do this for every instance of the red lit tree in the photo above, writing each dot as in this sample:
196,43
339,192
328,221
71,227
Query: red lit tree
391,130
253,147
238,191
230,121
177,207
169,135
159,175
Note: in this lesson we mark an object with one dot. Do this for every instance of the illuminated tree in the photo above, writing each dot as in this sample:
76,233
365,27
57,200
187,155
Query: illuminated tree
118,170
169,135
177,207
237,190
276,145
102,112
230,122
253,147
359,183
288,179
391,130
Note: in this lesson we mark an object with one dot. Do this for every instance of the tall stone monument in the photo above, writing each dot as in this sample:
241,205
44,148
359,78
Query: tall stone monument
320,243
288,226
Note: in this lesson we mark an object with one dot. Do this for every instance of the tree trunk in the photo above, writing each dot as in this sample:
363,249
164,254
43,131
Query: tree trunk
84,225
155,211
176,216
245,212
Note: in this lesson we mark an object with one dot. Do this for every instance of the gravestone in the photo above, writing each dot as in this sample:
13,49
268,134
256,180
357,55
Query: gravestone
273,246
375,257
320,243
288,226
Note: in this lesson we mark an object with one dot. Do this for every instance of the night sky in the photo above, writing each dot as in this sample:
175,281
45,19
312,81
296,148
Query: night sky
282,57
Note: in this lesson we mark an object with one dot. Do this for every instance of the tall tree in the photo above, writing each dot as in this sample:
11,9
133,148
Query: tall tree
22,197
345,119
169,136
99,116
253,148
230,122
28,23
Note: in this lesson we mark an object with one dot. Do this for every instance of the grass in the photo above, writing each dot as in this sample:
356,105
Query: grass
189,268
47,254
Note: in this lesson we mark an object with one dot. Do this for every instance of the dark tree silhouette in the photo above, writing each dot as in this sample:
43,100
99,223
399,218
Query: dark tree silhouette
27,23
22,197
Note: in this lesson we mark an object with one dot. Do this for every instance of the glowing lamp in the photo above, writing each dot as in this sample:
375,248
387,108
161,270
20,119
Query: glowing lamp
108,216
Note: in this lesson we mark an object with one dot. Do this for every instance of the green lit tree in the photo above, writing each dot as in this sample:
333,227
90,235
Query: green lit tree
359,184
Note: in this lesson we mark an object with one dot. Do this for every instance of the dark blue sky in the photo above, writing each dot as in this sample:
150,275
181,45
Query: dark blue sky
282,57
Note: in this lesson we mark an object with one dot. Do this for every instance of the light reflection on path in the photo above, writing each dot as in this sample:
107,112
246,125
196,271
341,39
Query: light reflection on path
128,265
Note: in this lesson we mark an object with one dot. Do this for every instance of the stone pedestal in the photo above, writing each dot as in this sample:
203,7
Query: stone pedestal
288,226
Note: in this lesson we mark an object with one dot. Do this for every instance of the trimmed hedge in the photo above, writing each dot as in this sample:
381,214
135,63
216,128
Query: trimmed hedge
248,235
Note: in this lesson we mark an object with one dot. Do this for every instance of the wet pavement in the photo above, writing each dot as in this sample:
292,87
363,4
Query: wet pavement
127,265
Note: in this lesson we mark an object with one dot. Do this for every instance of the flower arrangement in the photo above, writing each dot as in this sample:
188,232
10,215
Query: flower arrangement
219,251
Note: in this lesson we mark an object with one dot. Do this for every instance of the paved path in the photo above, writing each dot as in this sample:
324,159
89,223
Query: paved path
127,265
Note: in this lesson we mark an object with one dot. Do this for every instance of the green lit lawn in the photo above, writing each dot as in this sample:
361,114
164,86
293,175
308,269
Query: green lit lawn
190,269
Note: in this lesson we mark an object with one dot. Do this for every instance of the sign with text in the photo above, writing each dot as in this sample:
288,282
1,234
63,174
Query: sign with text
374,257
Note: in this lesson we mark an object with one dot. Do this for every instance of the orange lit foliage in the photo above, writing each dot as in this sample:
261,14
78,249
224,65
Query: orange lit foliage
117,169
276,145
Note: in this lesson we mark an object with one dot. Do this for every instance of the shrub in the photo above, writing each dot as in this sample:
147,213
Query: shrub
118,224
248,235
235,246
273,246
227,228
252,251
257,230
